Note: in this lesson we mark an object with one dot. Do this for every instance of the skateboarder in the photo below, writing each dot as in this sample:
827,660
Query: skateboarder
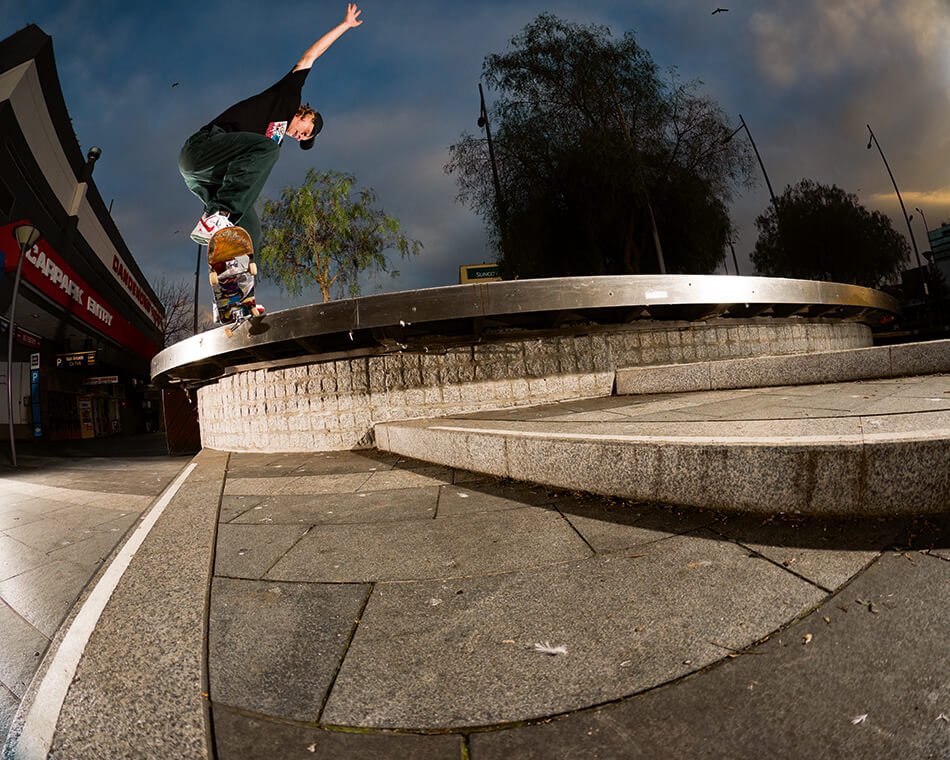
227,162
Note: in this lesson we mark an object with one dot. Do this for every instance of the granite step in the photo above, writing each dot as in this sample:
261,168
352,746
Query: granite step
869,447
908,359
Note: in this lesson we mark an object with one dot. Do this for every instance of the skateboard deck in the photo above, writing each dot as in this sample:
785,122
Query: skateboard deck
231,270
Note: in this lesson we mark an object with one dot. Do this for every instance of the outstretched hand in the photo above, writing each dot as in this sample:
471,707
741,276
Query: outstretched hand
352,16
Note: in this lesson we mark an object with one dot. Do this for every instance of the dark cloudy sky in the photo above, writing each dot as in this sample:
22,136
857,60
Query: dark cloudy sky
807,76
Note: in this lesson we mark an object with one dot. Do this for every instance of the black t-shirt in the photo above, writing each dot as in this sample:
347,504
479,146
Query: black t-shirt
267,113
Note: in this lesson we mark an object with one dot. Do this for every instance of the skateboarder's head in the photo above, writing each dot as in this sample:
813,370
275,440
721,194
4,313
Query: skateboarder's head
305,126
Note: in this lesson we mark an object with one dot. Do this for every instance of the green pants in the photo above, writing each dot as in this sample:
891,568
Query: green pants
227,171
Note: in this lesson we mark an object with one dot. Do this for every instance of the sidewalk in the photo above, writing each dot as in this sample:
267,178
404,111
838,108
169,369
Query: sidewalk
361,604
61,514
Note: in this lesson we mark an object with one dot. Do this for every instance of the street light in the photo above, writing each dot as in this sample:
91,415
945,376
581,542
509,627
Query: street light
743,125
499,204
920,267
734,259
26,236
933,262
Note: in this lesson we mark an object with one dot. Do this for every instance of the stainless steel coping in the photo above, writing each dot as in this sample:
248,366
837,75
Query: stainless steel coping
395,321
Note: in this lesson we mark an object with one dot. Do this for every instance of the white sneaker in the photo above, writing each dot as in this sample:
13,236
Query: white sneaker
208,225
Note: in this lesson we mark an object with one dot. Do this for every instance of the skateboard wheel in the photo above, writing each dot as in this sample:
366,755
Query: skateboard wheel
252,268
213,277
228,331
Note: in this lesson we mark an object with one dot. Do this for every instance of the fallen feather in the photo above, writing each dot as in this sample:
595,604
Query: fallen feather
859,719
806,639
312,747
546,648
943,718
435,602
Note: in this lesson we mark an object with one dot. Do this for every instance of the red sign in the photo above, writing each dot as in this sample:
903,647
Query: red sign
27,339
46,270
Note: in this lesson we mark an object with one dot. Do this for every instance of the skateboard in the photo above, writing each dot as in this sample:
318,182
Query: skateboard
231,270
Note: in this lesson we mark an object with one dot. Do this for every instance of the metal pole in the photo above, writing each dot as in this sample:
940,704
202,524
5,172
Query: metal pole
502,214
903,210
27,240
194,329
933,261
762,165
734,260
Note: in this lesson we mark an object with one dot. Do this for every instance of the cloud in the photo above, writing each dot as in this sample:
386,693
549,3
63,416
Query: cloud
799,40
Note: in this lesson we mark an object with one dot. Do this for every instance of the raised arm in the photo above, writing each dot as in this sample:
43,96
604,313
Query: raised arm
320,46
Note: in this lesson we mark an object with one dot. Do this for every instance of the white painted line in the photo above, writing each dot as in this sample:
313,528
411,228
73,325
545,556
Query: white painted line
693,440
36,738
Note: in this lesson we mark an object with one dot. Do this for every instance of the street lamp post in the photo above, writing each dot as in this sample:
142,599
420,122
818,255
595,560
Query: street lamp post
933,262
734,259
499,204
873,139
743,125
194,328
768,184
26,236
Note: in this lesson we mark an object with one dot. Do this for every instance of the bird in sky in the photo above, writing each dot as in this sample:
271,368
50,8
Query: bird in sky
719,10
176,84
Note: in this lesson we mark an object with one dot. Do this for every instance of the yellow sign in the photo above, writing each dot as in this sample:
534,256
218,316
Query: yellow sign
479,273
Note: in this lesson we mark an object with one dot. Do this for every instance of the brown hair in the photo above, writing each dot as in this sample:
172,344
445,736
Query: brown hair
304,110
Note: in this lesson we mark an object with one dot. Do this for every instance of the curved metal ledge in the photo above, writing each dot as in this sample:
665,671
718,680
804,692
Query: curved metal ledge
395,321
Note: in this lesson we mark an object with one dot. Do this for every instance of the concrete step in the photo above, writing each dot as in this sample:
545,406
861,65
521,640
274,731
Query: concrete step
876,447
790,369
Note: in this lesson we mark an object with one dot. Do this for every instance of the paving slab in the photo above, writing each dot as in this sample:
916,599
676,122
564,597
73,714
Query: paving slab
334,462
865,685
419,549
16,557
463,499
305,484
275,647
248,737
234,505
93,551
47,535
365,507
85,516
9,703
610,526
249,551
444,654
416,478
826,552
44,595
21,647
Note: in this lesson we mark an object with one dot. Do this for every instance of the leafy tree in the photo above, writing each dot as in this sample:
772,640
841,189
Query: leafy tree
824,233
586,132
325,233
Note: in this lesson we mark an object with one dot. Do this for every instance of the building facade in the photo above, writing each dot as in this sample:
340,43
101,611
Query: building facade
86,322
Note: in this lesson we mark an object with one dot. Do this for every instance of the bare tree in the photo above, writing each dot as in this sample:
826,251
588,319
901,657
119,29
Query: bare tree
179,305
